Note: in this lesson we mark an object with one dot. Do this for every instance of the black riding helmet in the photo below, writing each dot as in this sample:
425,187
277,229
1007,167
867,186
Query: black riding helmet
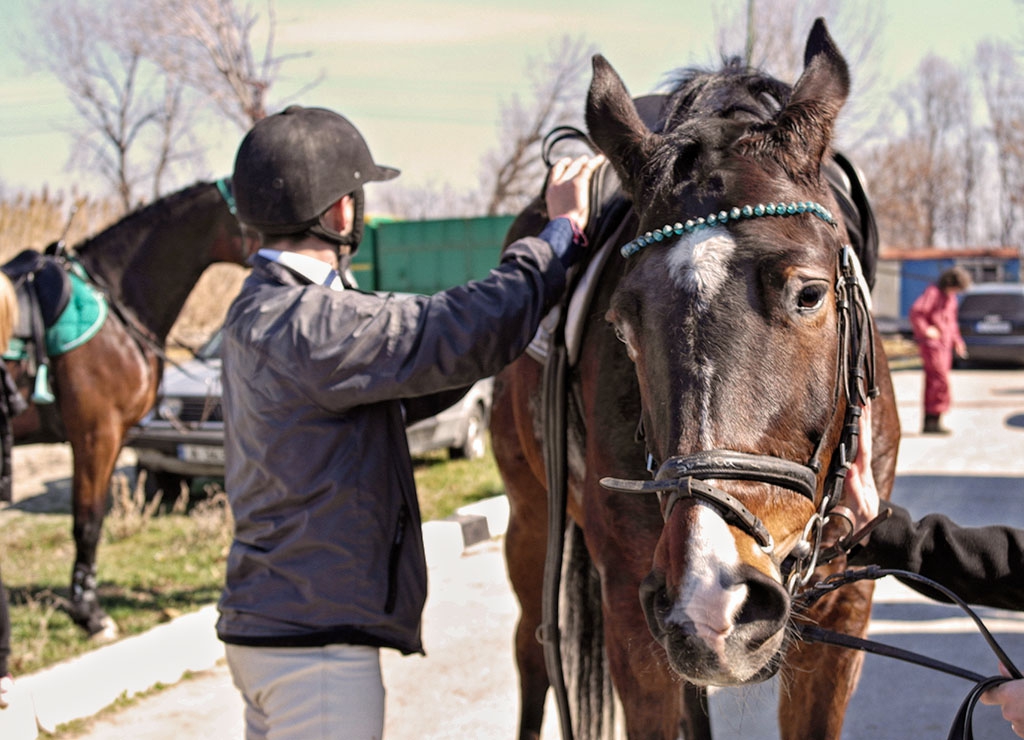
292,166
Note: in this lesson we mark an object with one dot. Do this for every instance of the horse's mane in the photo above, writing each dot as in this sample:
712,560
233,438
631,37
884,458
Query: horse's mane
143,220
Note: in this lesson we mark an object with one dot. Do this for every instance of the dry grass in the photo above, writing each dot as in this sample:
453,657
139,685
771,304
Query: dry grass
130,512
35,221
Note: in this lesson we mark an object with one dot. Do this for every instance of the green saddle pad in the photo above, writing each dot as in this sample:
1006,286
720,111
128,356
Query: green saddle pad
83,316
79,322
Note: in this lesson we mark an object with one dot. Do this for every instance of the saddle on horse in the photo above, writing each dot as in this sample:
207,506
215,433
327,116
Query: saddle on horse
57,311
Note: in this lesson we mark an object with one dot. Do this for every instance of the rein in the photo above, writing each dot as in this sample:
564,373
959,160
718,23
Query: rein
683,476
962,728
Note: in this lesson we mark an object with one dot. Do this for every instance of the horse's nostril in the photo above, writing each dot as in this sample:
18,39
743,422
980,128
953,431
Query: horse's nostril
652,589
654,600
765,609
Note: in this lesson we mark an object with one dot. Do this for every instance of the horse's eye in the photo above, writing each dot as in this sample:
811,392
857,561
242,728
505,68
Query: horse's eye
810,297
619,334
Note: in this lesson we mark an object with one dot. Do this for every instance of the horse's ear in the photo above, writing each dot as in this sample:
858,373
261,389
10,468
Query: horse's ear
614,124
807,123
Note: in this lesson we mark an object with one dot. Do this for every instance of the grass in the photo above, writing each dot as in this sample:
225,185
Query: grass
446,485
151,567
157,561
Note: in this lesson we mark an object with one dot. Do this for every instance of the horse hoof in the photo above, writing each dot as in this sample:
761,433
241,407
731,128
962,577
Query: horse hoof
107,631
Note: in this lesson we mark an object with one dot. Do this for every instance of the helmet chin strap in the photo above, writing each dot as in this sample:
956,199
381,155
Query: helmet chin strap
352,239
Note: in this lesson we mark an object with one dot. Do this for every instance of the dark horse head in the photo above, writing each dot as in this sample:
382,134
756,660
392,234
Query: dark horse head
733,311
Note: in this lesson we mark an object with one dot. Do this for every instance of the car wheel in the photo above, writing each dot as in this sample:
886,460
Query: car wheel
474,444
157,481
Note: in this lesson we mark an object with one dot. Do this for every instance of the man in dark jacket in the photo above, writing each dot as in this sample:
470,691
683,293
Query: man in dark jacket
320,380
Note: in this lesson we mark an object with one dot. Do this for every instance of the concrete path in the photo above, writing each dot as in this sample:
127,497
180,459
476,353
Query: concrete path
466,686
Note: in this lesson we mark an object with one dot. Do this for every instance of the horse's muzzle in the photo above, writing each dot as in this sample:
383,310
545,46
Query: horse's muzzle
748,651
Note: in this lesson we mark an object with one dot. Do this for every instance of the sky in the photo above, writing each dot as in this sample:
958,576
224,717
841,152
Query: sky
425,81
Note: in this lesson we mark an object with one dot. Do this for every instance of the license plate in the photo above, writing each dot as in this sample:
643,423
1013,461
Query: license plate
201,454
992,327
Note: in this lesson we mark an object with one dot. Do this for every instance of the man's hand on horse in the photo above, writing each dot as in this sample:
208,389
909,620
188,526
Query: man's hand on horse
568,190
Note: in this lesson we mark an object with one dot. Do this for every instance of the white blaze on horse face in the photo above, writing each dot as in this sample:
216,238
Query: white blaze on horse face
699,262
710,596
699,265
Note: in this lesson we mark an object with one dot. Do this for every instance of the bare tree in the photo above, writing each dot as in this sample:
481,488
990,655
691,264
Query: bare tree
513,171
139,74
1002,85
895,169
209,45
127,104
936,104
432,200
771,35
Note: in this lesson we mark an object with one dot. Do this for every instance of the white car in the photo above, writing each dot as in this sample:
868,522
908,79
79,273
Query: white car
182,438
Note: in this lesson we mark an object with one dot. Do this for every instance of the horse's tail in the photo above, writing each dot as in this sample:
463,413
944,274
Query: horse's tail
591,694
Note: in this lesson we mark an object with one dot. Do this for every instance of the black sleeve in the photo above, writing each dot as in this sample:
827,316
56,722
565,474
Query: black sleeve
981,565
423,407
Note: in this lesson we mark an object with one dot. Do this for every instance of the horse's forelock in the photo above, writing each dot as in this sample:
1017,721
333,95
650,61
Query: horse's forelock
710,111
732,91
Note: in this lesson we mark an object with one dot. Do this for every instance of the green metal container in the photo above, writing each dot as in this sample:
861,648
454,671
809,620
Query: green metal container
428,256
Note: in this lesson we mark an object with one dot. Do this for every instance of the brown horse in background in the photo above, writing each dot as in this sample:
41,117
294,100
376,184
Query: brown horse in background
146,265
726,351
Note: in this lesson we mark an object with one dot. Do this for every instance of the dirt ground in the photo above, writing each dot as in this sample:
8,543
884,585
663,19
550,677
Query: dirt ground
42,477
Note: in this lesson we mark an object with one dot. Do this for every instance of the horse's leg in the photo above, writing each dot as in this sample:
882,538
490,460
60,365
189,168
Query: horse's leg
525,541
525,545
94,459
696,722
104,387
818,681
656,704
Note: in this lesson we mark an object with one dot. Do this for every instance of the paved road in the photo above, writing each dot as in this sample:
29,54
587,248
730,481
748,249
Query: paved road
466,686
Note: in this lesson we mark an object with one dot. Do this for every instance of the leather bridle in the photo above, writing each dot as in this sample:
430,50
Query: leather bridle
683,476
226,191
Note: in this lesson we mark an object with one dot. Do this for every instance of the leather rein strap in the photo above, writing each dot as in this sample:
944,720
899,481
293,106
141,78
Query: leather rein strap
962,728
554,392
555,428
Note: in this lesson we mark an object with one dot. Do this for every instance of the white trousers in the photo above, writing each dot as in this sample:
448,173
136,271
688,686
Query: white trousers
334,692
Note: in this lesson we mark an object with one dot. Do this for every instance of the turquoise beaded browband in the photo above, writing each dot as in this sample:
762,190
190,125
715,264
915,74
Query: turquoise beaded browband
670,231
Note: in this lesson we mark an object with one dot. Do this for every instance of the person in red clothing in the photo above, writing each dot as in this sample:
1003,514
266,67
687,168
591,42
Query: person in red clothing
933,319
